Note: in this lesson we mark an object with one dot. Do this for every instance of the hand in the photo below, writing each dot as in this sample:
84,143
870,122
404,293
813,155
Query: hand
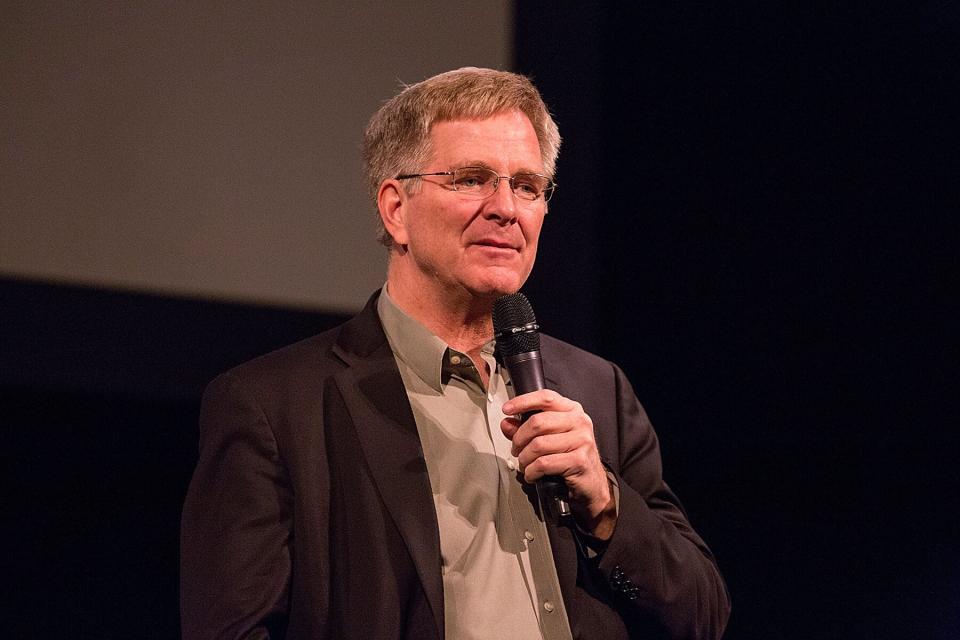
559,441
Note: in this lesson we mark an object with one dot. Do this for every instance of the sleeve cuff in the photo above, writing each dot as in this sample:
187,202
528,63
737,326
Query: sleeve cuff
591,546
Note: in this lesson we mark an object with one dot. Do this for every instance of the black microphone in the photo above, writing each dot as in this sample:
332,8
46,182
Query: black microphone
518,349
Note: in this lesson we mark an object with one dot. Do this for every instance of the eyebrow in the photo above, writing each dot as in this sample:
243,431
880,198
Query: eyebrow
484,165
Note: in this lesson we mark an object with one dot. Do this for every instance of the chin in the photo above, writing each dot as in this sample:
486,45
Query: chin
494,280
496,287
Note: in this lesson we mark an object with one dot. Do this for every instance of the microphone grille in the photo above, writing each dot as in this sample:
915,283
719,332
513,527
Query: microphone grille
515,325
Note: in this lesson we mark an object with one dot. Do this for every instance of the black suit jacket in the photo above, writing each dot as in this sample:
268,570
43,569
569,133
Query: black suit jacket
310,513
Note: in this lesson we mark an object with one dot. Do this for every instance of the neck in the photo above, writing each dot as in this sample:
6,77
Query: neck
456,316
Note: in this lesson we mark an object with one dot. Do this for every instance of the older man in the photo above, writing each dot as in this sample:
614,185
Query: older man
375,481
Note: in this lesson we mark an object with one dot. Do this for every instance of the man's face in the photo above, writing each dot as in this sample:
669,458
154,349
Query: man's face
482,247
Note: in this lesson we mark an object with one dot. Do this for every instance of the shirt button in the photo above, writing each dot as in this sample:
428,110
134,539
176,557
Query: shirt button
511,465
528,535
454,359
548,606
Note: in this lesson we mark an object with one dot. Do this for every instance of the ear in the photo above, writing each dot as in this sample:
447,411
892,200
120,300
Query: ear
391,202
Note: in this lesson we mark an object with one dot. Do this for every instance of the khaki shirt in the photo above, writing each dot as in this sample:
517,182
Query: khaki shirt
499,579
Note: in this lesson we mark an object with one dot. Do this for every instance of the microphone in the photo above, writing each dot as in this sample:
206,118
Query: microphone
518,349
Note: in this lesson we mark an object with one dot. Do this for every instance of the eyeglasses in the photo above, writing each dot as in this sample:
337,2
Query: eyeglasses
480,183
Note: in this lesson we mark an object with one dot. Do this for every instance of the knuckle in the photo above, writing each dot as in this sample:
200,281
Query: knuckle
532,425
584,458
537,447
585,424
531,471
551,397
532,448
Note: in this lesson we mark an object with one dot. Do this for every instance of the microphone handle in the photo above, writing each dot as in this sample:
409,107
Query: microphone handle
526,375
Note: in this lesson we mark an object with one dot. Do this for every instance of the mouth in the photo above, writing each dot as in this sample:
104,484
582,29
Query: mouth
496,244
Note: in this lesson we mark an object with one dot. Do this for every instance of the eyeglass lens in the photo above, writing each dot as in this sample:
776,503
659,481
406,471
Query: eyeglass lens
482,182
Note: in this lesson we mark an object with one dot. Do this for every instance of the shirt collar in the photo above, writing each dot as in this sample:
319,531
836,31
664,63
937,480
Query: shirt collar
427,355
412,342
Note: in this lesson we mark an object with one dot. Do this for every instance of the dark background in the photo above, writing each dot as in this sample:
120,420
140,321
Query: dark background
756,219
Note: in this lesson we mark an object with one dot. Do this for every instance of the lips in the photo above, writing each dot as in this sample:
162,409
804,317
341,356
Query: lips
496,243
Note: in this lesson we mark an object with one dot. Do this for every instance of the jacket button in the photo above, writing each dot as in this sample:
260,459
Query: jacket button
616,578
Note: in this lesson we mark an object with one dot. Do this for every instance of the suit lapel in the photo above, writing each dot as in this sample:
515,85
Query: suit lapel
377,402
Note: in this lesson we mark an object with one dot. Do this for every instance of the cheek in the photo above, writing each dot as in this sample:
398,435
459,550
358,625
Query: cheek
429,228
531,232
439,238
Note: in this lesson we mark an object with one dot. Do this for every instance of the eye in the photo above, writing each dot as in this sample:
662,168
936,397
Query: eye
471,179
528,185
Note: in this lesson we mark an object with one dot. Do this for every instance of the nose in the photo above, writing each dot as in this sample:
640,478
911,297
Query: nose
502,205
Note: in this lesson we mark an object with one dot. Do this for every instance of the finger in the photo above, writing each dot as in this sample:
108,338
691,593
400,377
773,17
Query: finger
542,400
564,465
574,467
550,422
509,426
547,445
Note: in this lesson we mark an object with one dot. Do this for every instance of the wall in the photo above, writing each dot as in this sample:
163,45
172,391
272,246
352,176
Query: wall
208,149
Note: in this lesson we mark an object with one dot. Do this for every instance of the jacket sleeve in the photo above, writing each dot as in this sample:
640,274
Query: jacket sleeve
236,526
655,563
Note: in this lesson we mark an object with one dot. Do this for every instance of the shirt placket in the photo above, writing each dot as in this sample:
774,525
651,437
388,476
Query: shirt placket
538,566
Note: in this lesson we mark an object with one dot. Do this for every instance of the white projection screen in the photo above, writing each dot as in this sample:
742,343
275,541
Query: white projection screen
209,149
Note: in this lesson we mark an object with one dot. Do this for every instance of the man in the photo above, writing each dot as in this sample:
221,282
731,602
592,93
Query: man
375,482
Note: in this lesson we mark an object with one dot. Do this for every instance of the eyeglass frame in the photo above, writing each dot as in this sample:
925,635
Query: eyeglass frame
547,192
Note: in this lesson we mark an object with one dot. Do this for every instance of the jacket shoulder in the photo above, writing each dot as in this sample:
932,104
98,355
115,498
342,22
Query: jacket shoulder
597,383
297,364
559,356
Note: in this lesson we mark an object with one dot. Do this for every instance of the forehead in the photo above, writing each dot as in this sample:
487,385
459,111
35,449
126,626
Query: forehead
505,139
